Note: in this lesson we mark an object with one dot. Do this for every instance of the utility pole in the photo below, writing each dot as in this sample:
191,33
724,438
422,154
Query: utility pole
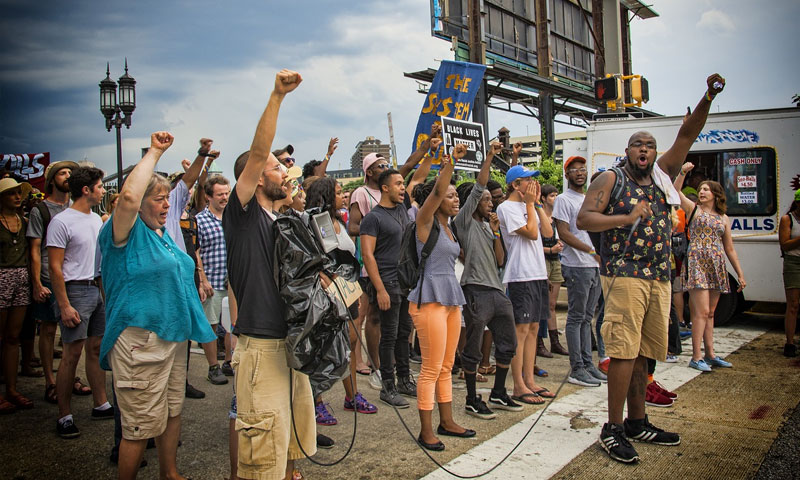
477,54
391,141
546,115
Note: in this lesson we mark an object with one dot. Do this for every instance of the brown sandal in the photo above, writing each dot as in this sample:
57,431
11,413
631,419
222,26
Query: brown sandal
20,401
78,388
50,395
487,370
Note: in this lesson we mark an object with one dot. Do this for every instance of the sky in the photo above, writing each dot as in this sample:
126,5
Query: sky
205,69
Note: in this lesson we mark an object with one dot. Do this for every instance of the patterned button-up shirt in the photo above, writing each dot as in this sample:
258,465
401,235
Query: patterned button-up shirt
212,249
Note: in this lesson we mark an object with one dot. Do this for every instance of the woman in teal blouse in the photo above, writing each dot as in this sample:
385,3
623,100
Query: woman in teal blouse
152,309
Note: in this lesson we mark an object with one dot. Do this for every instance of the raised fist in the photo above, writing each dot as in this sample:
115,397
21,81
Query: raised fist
205,144
687,167
715,84
286,81
459,151
435,143
185,164
517,148
495,148
436,130
161,140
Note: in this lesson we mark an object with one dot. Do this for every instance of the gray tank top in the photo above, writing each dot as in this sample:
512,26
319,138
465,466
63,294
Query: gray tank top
440,284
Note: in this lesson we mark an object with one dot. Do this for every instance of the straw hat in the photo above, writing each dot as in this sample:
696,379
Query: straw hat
10,184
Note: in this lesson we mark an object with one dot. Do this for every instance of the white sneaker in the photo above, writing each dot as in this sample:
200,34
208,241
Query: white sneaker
671,359
375,380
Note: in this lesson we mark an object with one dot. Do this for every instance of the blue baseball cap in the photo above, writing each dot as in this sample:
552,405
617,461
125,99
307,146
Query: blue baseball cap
518,171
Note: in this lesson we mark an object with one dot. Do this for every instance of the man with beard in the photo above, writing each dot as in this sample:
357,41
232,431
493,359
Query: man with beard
264,406
582,275
637,307
56,178
487,305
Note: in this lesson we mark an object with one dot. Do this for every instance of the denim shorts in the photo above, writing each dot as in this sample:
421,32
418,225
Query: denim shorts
86,299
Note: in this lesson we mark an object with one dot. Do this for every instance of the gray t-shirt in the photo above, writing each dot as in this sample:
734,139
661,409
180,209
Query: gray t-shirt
477,241
36,229
76,232
566,209
387,226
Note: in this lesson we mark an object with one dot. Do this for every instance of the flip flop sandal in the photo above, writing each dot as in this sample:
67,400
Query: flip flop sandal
50,395
528,398
364,371
7,407
81,389
540,372
20,401
487,370
545,393
480,378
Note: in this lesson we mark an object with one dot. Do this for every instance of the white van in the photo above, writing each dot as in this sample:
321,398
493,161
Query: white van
753,154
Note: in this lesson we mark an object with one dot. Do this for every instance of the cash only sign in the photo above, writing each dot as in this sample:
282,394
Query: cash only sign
471,135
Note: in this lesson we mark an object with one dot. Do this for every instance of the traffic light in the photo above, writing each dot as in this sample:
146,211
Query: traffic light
640,91
608,89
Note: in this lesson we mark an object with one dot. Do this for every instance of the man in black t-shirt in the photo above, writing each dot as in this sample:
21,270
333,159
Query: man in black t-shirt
381,238
262,376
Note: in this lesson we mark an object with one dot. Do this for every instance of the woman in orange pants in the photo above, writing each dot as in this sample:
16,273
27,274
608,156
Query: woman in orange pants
435,307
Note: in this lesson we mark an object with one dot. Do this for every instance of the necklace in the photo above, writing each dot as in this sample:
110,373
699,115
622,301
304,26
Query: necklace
8,227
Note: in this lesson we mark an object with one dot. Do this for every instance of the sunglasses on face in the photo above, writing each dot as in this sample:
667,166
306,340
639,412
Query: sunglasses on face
289,160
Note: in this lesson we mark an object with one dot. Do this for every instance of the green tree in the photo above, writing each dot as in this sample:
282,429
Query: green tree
350,186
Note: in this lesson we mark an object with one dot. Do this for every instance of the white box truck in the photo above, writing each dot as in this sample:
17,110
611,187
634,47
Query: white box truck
755,155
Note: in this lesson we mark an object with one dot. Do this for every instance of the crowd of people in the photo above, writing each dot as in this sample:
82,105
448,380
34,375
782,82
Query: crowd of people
491,259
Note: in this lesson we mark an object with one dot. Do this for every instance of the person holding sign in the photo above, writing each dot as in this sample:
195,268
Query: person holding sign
486,302
705,276
434,306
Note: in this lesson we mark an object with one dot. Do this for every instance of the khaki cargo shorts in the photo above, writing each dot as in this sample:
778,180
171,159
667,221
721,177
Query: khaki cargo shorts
264,409
636,318
149,380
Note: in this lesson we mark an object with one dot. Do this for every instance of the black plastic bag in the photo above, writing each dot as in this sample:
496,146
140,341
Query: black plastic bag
317,340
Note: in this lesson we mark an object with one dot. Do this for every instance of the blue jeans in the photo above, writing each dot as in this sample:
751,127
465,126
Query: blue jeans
583,290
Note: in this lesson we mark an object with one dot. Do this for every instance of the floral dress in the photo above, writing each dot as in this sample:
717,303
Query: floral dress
705,261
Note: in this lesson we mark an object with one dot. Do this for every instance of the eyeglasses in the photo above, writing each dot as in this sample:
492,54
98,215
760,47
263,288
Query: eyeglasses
276,167
638,144
577,170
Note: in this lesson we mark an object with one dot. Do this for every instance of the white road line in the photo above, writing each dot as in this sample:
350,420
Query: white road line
553,443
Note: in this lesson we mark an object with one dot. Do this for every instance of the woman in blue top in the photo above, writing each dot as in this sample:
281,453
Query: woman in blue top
152,309
435,307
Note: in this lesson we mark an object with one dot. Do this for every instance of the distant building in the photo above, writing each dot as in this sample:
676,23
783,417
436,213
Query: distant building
532,146
364,148
346,176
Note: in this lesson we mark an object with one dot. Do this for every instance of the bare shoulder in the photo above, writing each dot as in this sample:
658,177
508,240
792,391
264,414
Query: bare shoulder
597,195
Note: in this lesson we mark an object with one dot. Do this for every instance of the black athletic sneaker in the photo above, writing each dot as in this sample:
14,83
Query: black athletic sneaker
106,414
502,401
67,429
324,442
644,431
407,386
192,392
477,408
613,441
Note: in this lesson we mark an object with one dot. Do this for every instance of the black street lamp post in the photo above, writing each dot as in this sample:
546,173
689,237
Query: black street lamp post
113,110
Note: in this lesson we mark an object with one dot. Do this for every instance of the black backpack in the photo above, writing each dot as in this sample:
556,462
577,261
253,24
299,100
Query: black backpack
411,267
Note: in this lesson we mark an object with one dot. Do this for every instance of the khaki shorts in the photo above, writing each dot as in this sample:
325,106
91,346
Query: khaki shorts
264,417
149,380
636,318
554,274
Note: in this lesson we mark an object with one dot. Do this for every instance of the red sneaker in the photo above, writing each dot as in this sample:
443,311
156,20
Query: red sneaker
663,391
655,398
603,366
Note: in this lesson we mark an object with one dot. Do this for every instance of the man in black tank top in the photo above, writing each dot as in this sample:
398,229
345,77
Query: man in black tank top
637,330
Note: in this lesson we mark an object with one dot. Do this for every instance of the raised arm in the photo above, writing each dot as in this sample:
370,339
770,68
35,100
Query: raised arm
428,209
672,159
193,172
591,216
425,167
532,195
515,151
419,154
686,204
130,198
784,234
483,175
319,170
285,82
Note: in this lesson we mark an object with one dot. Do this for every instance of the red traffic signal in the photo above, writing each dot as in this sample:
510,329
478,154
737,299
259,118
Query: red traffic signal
607,89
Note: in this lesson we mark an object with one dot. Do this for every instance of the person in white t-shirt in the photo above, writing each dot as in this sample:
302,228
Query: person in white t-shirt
74,274
526,275
579,265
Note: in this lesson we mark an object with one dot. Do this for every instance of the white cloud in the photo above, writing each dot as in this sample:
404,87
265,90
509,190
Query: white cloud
717,21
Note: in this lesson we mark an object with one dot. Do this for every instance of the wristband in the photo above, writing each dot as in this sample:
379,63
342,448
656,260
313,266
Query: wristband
709,97
202,153
539,205
496,234
682,173
592,252
429,153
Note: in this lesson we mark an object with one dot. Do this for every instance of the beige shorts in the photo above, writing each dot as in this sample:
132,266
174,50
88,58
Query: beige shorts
636,318
212,307
149,380
554,274
264,416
